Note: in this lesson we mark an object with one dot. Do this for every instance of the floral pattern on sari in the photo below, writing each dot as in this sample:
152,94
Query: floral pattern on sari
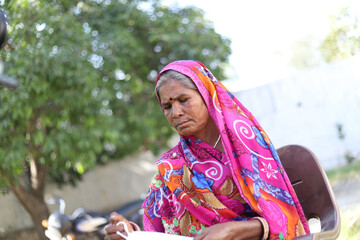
198,186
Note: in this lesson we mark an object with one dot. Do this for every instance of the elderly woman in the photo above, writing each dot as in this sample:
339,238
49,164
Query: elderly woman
224,179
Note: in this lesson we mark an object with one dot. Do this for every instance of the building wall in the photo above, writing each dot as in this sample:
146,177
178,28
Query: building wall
306,108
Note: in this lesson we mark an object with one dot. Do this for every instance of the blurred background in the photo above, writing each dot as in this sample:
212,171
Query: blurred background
78,114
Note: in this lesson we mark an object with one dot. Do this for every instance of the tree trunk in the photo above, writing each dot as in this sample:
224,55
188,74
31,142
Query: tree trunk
35,206
30,189
30,193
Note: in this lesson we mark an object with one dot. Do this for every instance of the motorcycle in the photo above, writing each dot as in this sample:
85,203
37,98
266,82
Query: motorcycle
86,224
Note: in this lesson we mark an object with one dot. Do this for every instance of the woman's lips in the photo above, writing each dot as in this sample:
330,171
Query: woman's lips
181,123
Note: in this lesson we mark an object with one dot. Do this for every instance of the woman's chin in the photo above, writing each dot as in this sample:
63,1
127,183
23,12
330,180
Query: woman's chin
185,131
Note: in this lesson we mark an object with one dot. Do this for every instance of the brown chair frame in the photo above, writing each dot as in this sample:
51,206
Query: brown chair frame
313,190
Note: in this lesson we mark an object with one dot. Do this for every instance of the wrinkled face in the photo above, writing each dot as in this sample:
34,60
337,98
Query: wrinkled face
185,109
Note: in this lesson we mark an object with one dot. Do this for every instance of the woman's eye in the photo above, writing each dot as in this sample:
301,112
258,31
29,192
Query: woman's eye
167,107
184,100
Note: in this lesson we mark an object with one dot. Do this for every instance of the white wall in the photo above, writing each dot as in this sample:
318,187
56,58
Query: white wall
305,108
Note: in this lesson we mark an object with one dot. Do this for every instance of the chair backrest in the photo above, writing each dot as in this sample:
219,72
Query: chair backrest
313,190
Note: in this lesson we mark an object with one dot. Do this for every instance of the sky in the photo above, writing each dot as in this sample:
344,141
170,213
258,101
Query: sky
263,32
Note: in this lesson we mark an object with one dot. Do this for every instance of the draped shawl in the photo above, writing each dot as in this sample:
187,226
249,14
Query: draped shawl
197,186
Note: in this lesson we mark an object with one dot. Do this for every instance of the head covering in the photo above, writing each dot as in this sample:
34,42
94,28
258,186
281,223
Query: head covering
198,186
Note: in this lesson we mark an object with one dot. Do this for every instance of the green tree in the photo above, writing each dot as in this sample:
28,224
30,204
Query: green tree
344,39
86,74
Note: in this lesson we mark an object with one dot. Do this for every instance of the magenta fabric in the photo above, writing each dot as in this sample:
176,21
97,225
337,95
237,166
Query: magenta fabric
197,186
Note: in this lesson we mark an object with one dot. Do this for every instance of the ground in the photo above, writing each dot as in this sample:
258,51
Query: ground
347,194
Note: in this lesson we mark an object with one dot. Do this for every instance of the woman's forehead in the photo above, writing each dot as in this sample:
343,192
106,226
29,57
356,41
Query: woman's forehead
172,86
174,90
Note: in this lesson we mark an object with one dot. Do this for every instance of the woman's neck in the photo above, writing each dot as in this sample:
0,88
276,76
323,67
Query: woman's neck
211,136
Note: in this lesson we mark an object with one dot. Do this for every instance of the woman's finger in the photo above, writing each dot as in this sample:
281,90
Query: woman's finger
112,229
114,237
117,219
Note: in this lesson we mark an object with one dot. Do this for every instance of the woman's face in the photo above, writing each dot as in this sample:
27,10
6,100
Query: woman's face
185,109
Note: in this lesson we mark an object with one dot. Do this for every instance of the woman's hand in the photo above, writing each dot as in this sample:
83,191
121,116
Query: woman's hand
115,226
238,230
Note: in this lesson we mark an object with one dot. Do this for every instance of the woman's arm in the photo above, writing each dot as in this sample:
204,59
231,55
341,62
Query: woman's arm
237,230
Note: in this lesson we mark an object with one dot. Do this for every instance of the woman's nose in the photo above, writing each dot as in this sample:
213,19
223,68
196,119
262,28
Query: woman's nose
177,110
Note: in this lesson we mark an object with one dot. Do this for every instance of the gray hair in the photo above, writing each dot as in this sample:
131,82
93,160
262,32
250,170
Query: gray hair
172,74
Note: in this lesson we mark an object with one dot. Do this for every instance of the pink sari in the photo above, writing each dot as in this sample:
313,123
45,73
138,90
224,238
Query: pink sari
197,186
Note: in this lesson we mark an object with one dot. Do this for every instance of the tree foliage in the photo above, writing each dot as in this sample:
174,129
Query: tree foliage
344,39
305,53
86,72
